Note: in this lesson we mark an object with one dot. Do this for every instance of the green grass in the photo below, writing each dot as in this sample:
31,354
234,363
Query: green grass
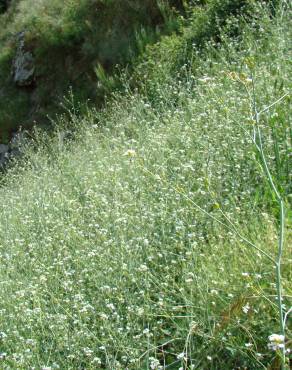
111,257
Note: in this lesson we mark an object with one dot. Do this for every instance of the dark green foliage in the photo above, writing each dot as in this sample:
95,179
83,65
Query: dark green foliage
3,6
69,40
208,19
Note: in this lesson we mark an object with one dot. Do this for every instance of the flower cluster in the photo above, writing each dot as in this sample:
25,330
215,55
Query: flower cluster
276,342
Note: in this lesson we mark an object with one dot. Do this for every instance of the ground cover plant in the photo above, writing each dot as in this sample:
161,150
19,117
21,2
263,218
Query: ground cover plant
149,241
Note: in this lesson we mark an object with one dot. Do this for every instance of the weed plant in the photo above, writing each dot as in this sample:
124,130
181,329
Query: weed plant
114,248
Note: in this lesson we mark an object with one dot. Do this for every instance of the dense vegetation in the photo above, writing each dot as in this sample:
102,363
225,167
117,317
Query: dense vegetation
69,40
143,235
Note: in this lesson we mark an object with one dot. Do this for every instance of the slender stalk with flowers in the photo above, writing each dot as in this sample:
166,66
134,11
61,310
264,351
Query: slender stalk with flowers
277,341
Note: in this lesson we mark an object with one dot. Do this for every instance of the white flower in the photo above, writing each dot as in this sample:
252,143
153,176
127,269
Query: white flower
96,360
130,153
246,308
180,356
277,338
88,352
3,335
143,268
154,363
276,342
140,311
205,79
110,306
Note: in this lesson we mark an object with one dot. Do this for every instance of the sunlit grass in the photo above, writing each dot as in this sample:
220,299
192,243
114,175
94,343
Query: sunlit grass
109,256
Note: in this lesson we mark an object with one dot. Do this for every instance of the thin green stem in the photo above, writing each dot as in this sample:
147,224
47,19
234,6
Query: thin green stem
267,172
278,267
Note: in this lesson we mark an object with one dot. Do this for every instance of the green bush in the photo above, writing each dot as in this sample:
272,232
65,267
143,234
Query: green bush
205,22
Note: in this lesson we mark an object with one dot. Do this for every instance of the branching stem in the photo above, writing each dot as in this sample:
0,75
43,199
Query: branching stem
260,149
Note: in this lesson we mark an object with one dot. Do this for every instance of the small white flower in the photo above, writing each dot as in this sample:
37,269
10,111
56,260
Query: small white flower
87,351
3,335
276,341
277,338
180,356
154,364
248,345
205,79
143,268
140,311
110,306
246,308
96,360
130,153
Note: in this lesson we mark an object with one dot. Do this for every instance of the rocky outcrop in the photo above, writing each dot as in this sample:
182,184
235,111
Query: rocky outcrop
12,149
23,68
4,154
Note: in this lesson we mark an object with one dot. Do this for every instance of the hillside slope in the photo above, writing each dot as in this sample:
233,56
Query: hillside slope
149,240
47,47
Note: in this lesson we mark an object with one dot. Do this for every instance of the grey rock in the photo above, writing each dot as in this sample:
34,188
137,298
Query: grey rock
23,67
4,154
14,148
4,149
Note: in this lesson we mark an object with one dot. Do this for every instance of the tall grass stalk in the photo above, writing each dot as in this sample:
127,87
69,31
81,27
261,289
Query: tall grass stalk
260,149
